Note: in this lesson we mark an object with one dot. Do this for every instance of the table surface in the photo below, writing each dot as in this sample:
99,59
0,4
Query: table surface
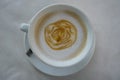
105,18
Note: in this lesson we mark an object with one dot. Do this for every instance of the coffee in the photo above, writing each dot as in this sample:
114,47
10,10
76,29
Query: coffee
60,35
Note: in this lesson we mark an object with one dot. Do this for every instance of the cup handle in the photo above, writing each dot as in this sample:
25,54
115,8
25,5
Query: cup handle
24,27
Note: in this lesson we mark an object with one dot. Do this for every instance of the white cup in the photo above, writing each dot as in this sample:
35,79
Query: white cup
81,59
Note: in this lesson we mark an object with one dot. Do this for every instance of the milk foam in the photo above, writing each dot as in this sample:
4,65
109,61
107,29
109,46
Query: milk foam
69,52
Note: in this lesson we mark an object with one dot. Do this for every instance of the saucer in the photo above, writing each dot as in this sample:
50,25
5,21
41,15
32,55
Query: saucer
57,71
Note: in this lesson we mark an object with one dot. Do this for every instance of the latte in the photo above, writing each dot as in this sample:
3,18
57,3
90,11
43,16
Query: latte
61,35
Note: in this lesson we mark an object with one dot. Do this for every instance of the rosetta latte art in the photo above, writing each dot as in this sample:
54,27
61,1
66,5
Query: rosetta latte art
60,34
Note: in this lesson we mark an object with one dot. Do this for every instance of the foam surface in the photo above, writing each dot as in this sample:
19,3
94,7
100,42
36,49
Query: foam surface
67,53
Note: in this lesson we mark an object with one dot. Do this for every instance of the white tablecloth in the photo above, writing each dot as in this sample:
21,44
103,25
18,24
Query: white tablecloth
105,18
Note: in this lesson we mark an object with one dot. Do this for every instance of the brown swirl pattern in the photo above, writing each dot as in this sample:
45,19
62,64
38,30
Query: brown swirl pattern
60,34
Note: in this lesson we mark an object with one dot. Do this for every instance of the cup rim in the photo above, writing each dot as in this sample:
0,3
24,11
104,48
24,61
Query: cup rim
82,55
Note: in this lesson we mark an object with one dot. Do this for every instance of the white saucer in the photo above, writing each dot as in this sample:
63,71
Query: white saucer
55,71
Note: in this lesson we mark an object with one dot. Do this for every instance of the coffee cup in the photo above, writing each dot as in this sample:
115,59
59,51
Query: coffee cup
61,36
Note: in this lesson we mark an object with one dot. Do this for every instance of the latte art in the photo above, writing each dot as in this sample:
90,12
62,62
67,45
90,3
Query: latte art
60,34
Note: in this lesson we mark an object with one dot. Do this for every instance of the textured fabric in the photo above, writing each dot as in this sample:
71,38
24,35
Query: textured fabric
105,18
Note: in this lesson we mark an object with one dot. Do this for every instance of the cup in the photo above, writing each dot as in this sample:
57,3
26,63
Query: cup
61,36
